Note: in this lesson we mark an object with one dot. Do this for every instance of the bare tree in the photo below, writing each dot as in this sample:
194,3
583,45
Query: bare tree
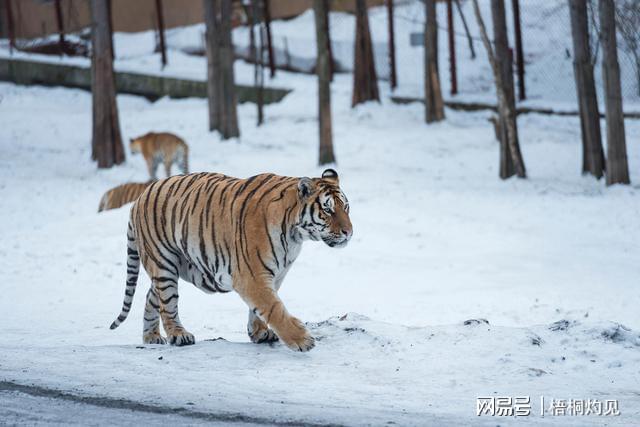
323,68
628,22
365,81
617,168
106,143
393,77
434,104
161,39
511,162
221,92
592,152
267,24
257,55
466,30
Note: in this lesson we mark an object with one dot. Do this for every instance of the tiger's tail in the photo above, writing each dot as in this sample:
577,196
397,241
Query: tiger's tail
133,268
104,201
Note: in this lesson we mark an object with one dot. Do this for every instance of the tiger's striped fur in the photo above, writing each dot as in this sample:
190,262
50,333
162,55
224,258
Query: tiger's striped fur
161,147
227,234
121,195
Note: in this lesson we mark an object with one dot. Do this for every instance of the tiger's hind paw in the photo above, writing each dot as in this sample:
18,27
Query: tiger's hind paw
263,336
184,338
154,339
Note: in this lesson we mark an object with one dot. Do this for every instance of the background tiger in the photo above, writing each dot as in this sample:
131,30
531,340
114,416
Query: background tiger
222,234
121,195
161,147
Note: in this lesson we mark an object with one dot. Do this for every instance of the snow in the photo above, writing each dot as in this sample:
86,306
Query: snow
550,262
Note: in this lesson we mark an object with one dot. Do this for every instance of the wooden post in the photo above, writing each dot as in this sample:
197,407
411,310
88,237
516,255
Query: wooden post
452,48
519,52
160,18
617,167
107,146
221,94
592,152
323,68
10,25
434,104
267,21
60,22
393,78
365,81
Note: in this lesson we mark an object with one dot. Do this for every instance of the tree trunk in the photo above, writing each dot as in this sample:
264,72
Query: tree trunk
327,29
511,162
365,81
106,141
10,26
393,77
434,105
267,22
522,94
220,79
617,168
452,48
323,68
466,30
160,19
592,153
258,58
60,23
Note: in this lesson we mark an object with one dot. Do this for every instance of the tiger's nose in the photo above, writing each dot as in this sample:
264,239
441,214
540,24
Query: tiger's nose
347,233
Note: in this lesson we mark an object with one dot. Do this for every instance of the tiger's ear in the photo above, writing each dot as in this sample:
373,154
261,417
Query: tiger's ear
331,175
305,187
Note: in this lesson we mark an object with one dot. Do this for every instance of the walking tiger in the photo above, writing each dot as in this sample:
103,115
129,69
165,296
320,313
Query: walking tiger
161,147
227,234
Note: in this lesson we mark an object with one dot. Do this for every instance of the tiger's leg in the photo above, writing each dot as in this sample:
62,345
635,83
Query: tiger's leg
152,166
151,325
167,289
264,302
184,162
167,166
258,331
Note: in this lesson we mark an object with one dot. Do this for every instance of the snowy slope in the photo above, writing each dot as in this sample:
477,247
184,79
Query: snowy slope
438,240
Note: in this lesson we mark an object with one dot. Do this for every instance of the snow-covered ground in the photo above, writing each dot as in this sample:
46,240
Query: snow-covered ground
439,240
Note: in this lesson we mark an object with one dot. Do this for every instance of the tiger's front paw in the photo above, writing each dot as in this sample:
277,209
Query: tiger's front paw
182,338
296,336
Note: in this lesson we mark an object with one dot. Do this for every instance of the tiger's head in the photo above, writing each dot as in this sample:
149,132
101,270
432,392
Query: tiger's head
325,211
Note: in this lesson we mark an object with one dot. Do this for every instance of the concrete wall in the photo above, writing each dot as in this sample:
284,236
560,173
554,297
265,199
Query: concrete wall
153,87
